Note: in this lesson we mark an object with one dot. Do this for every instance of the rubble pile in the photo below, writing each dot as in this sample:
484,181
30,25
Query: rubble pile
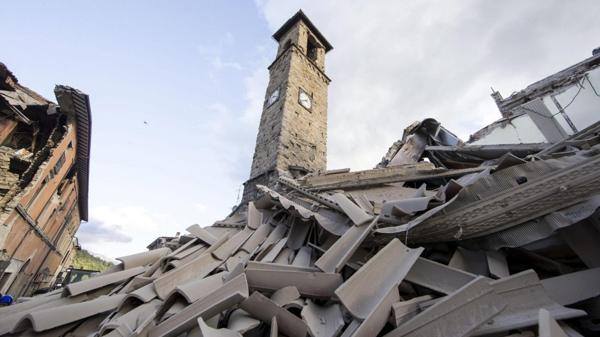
443,238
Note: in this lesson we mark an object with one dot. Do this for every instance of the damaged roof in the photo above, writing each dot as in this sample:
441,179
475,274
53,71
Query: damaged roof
76,103
551,83
28,107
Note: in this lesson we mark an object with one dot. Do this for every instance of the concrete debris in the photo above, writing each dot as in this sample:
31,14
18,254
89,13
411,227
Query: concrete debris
443,238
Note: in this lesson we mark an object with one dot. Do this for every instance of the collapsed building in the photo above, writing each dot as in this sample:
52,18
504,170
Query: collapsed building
44,159
494,236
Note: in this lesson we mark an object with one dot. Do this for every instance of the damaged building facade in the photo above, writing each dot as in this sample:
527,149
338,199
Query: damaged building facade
44,159
495,236
549,110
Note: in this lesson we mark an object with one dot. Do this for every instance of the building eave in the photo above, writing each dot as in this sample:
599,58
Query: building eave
300,16
77,103
551,83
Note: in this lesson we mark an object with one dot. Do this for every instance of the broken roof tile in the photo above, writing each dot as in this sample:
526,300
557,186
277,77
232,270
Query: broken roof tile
372,282
264,309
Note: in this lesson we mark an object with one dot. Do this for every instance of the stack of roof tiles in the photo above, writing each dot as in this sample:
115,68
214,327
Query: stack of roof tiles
442,239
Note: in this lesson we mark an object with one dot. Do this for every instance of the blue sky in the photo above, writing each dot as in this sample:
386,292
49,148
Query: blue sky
176,87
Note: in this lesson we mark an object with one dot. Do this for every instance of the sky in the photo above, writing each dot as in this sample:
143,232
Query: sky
176,87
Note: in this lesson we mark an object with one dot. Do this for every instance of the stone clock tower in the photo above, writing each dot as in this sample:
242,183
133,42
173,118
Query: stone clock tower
292,136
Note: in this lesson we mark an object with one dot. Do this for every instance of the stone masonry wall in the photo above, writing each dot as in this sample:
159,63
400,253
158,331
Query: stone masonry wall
265,152
303,139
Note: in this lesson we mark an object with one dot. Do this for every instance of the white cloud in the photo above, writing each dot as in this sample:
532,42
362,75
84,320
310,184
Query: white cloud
200,207
232,133
255,85
219,64
118,231
213,51
97,231
104,257
401,61
229,39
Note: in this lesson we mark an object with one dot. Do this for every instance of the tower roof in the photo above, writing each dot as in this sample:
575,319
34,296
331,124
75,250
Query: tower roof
301,16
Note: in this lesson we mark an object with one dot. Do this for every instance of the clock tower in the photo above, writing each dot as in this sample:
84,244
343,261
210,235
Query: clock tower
292,136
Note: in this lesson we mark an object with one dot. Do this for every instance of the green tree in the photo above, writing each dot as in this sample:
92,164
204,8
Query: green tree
84,260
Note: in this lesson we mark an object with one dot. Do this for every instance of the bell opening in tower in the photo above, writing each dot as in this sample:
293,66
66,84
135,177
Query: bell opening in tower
311,49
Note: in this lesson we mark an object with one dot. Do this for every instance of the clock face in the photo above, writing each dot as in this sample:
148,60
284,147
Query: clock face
273,97
305,100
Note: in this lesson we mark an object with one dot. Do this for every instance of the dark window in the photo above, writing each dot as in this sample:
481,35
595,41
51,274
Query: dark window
59,164
4,279
37,192
311,48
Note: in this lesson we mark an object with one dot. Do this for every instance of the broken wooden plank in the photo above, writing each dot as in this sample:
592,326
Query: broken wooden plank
405,173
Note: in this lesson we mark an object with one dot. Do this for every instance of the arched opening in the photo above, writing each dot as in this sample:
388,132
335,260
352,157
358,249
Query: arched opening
311,48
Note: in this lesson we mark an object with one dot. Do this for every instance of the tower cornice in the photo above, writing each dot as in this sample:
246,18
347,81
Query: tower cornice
294,48
300,16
